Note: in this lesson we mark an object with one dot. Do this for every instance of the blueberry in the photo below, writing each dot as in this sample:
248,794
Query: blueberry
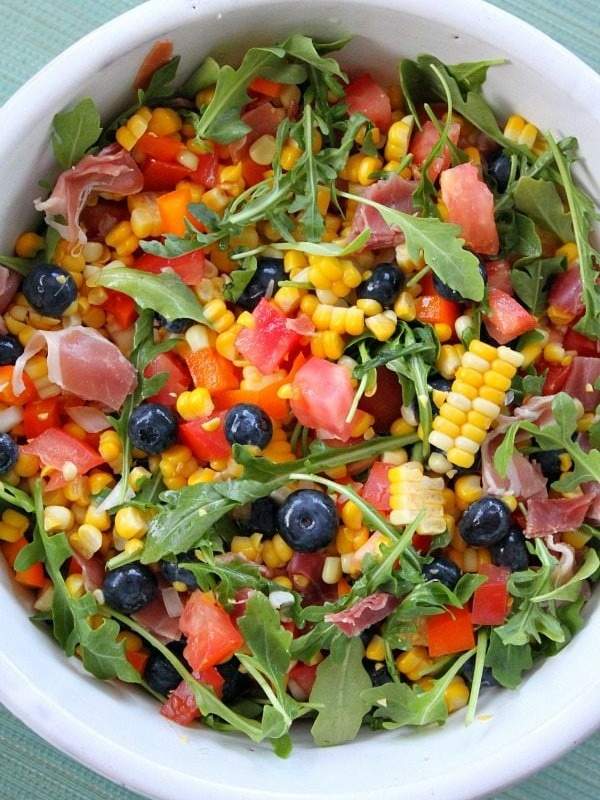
498,168
452,294
444,570
382,285
487,677
307,520
549,463
263,516
236,683
485,522
174,573
10,349
178,325
511,551
160,675
130,587
152,427
246,423
9,453
264,282
377,672
49,289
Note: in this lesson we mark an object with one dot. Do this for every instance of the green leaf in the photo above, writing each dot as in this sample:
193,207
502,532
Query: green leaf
441,245
531,281
337,693
75,131
508,662
102,654
540,201
164,293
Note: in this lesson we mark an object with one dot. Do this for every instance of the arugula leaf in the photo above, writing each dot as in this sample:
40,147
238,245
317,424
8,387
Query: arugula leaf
441,245
508,662
338,692
541,202
556,436
188,515
400,704
74,132
531,281
583,214
165,292
20,265
268,663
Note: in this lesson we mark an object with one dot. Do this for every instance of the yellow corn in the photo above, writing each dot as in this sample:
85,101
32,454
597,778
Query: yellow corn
480,385
164,122
375,649
382,326
340,319
398,138
129,133
130,522
12,525
86,540
411,491
414,663
194,404
327,344
176,465
276,552
28,244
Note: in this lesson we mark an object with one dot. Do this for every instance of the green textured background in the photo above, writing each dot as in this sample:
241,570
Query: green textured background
31,33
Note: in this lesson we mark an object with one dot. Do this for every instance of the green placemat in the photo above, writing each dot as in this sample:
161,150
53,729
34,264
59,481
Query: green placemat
30,35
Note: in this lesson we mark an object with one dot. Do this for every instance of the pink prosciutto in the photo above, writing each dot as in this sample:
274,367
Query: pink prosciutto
583,376
9,283
364,613
394,192
111,170
556,515
82,363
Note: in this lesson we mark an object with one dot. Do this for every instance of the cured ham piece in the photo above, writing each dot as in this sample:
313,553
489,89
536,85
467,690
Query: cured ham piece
156,619
9,283
556,515
584,373
111,170
364,613
394,192
83,363
524,478
566,292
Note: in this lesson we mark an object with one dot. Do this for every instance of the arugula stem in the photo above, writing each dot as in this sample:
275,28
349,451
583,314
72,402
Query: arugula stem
482,640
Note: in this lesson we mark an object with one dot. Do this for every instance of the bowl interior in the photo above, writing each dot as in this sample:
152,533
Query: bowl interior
114,729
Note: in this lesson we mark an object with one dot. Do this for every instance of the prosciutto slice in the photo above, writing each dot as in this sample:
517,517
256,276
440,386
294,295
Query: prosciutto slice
584,373
111,170
9,283
83,363
364,613
556,515
394,192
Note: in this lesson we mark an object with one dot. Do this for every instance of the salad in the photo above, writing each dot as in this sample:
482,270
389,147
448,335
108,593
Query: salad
299,398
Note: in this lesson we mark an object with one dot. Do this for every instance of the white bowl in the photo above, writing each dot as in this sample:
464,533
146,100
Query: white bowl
113,729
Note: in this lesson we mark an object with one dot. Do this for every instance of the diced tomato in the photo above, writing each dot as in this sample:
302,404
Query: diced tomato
138,659
498,275
322,396
433,309
122,307
269,341
206,437
56,448
301,678
189,267
385,405
41,414
365,95
507,318
573,340
376,490
450,632
470,205
556,377
422,142
211,370
211,635
178,379
490,600
207,171
7,394
181,705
